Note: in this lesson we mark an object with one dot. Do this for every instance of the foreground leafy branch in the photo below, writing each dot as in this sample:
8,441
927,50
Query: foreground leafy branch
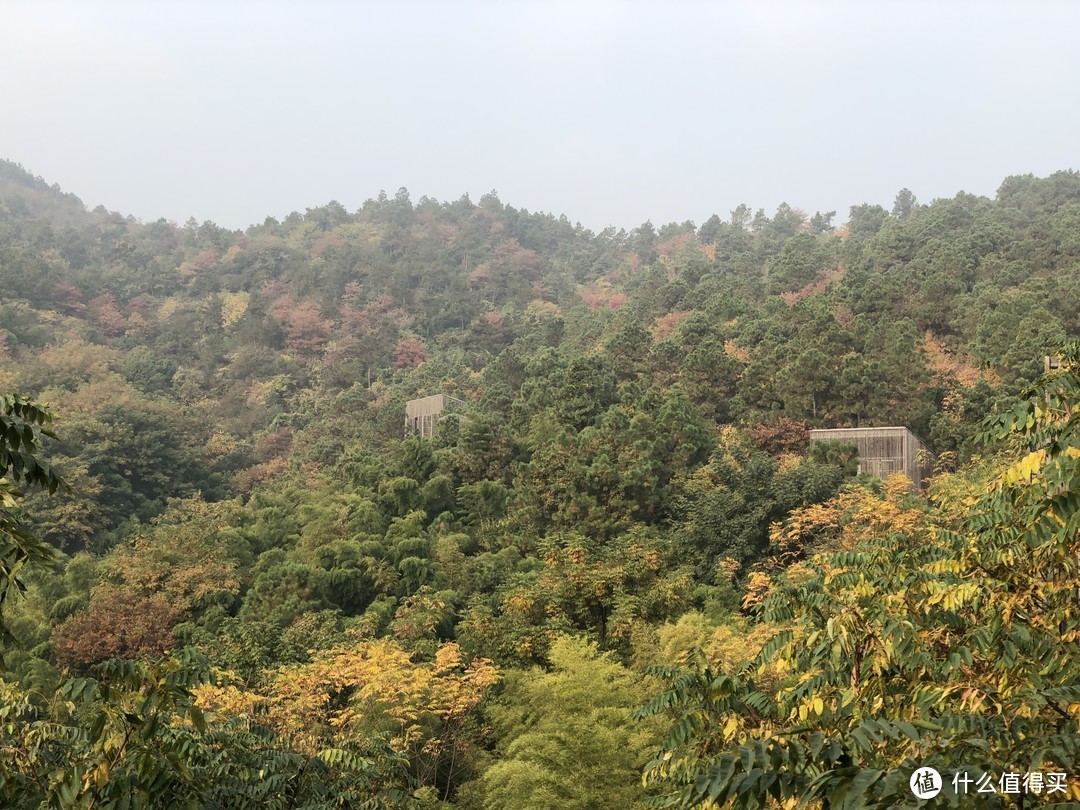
22,423
133,737
952,647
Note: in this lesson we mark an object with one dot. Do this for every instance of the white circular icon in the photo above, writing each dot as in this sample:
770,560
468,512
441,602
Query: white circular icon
925,783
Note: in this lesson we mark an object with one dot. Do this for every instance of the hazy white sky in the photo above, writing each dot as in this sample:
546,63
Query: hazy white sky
609,112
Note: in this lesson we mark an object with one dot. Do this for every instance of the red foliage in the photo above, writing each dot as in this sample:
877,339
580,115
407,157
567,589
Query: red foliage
592,296
140,305
781,436
669,247
68,298
280,306
665,324
272,445
377,316
326,244
108,315
410,351
601,293
275,288
118,624
205,259
306,331
617,301
515,258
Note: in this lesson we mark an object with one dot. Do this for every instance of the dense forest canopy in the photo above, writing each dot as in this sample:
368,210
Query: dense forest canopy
250,586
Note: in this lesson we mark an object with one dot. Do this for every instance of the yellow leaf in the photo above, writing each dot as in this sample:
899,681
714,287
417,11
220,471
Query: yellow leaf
101,774
731,727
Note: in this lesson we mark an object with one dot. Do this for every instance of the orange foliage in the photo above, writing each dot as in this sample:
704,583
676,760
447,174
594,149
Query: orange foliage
306,329
274,289
174,568
245,480
617,301
182,562
118,624
816,287
737,352
204,260
782,435
68,298
949,366
843,315
668,248
350,691
108,315
234,252
665,324
847,519
77,361
137,326
758,586
602,293
140,305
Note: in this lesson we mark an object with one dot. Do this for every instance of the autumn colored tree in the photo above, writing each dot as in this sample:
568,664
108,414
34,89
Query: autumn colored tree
117,624
306,330
631,471
133,734
368,688
175,569
107,313
409,351
946,642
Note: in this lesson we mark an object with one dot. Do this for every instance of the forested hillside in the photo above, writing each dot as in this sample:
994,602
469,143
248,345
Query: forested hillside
263,592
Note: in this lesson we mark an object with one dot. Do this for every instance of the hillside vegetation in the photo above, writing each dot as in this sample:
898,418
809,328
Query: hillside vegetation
619,558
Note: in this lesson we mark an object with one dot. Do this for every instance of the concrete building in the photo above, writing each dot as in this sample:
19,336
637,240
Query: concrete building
884,451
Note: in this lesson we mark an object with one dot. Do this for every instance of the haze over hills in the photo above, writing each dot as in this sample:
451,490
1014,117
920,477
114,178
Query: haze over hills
629,479
609,114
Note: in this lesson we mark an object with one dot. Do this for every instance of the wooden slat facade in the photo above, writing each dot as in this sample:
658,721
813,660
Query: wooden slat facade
421,415
884,451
